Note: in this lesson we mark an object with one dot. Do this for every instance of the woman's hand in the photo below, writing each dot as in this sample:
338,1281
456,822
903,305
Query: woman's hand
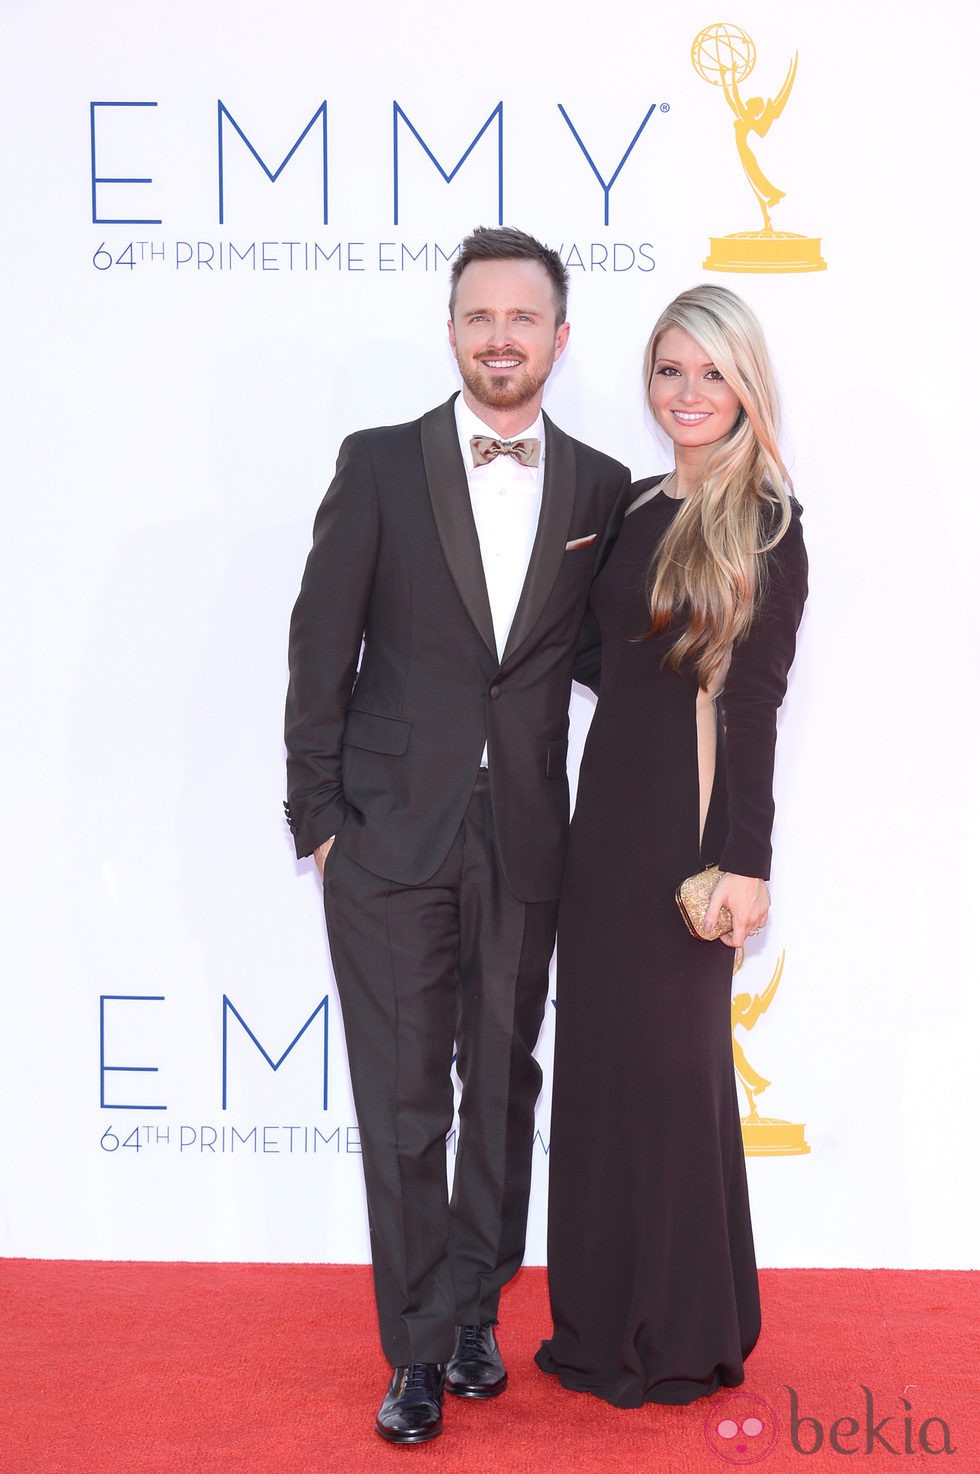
747,898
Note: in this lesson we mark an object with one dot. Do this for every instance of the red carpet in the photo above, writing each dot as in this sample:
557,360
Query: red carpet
275,1369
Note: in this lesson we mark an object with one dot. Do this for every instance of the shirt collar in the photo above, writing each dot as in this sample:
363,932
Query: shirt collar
469,424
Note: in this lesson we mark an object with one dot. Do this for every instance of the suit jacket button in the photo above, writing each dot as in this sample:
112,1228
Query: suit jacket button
494,692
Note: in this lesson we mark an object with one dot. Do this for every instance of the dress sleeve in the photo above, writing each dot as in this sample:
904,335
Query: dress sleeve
753,692
588,659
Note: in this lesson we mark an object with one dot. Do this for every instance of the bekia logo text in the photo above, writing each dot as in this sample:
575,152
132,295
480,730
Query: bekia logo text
865,1433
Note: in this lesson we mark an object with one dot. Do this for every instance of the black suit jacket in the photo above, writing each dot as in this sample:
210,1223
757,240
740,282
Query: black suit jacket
395,684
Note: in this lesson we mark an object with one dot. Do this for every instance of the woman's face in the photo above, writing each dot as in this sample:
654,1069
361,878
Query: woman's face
690,399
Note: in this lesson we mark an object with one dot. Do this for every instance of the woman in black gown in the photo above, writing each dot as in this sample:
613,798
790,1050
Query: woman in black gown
651,1266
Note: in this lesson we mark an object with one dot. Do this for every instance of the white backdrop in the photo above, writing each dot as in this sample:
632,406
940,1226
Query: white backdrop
176,387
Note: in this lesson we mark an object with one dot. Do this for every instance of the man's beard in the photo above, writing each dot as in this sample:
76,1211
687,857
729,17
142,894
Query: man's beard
499,392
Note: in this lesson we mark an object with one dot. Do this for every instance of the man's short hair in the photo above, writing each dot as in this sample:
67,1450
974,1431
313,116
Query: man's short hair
505,243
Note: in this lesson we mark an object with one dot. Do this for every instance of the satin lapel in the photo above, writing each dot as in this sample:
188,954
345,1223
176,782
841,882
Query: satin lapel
557,501
450,497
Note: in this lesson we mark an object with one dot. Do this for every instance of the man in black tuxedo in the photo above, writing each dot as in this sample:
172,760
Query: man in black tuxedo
431,654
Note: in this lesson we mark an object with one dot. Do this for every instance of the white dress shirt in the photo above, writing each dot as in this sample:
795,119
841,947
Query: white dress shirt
506,501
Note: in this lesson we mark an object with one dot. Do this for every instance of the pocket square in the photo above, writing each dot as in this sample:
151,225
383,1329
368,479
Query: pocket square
581,542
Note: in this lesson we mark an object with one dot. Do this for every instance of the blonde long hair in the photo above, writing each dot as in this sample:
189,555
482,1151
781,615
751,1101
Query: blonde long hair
709,568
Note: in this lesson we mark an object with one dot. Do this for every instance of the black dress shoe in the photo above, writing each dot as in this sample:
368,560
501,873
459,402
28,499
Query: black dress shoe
412,1409
476,1368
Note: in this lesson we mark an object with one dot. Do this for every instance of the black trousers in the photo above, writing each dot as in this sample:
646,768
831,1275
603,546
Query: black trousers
455,961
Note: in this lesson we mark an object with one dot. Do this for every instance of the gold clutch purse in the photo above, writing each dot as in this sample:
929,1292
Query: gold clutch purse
693,899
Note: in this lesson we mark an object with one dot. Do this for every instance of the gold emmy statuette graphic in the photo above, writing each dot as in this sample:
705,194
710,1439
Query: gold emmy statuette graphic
724,56
762,1136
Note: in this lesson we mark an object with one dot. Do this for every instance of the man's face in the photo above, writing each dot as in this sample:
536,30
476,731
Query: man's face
504,335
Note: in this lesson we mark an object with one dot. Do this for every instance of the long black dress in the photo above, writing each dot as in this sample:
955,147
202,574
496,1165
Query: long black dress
651,1266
